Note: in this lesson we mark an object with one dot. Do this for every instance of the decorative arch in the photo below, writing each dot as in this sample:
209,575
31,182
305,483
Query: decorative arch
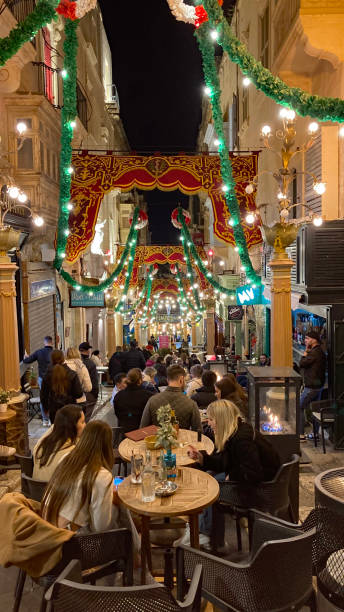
96,175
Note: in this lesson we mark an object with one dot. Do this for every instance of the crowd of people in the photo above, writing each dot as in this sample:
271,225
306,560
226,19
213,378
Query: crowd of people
75,457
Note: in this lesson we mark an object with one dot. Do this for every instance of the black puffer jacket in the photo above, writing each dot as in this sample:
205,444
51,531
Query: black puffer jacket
129,405
247,457
52,402
132,359
204,396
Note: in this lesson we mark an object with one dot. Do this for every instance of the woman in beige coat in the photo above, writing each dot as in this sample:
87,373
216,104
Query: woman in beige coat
74,362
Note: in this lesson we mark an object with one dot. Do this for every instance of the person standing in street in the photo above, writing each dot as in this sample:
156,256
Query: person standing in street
313,367
92,396
133,358
43,358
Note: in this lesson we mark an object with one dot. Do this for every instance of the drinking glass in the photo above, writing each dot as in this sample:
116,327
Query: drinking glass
136,468
148,486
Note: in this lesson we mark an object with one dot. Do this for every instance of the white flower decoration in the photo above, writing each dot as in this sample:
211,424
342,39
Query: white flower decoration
182,12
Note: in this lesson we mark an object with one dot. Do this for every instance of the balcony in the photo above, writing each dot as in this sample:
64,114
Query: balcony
20,9
48,83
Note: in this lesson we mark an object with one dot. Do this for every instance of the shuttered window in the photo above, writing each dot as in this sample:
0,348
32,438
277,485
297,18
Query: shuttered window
313,165
41,321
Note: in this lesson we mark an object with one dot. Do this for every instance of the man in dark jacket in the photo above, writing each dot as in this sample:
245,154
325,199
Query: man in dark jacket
313,366
115,366
43,358
206,394
133,358
91,397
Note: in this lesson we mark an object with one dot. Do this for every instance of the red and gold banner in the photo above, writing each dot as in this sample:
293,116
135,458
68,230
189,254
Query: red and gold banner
159,254
96,175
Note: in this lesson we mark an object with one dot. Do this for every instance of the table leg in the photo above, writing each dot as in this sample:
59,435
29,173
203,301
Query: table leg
194,530
146,558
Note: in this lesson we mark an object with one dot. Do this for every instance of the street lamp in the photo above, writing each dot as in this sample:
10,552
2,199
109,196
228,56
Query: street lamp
283,233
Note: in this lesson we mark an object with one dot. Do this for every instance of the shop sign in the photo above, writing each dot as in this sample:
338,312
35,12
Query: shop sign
247,295
164,342
85,300
40,289
235,313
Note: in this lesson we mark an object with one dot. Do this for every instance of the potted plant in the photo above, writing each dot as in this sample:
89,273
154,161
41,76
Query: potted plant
4,397
166,437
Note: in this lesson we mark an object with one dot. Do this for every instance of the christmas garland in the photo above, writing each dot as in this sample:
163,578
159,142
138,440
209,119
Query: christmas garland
184,299
131,257
305,104
23,32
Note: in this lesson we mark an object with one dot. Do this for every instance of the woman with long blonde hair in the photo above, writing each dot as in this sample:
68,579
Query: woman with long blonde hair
74,362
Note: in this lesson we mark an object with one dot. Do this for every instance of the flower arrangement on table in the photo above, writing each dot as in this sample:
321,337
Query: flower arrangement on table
166,434
4,397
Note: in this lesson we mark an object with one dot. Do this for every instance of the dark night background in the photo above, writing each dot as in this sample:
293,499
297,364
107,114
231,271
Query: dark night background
158,73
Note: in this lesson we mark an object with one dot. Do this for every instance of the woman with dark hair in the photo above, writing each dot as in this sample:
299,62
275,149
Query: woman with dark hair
60,386
81,493
161,375
206,393
58,442
229,389
130,403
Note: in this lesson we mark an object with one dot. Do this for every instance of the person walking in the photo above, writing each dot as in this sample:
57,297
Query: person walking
60,386
92,396
43,358
186,410
313,368
130,403
133,358
73,361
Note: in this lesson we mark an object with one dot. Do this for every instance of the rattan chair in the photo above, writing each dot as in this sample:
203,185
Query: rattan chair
68,594
271,497
117,437
277,575
99,554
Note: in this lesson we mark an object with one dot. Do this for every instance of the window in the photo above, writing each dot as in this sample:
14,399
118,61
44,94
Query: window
245,106
264,37
25,155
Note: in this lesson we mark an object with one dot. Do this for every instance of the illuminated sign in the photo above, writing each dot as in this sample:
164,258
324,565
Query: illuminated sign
250,294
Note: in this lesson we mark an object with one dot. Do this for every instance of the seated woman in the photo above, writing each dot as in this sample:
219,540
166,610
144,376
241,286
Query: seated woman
81,495
161,375
227,388
238,456
129,404
205,395
58,441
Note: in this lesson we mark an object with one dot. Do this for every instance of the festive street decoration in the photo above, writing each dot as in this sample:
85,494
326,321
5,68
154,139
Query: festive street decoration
43,13
155,269
195,15
228,186
131,256
75,10
141,221
174,217
95,175
173,269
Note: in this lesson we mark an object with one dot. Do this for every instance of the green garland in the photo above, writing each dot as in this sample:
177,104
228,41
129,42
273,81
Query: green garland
184,299
305,104
190,272
148,296
68,114
133,243
212,81
23,32
187,238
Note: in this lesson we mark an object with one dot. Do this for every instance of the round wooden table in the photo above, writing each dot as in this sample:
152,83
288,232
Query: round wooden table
185,438
196,490
7,416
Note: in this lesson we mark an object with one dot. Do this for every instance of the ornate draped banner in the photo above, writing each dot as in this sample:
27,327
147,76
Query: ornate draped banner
158,254
96,175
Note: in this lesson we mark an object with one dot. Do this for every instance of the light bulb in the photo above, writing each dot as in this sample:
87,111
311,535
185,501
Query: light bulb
21,127
249,188
70,170
281,196
64,73
70,206
22,198
63,255
266,130
231,222
206,263
246,81
236,249
341,131
214,35
225,188
217,142
13,192
222,263
317,221
72,124
250,218
39,221
243,268
66,232
313,127
283,113
290,115
207,91
232,297
319,188
77,287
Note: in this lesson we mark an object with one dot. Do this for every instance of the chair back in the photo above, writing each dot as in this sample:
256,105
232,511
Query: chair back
68,593
26,463
35,488
274,495
117,436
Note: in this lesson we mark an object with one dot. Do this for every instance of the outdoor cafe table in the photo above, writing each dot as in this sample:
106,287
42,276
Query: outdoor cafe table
196,490
185,438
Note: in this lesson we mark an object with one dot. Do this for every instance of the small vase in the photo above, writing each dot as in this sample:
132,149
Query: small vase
3,407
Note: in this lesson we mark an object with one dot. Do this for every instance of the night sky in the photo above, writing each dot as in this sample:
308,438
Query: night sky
158,73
